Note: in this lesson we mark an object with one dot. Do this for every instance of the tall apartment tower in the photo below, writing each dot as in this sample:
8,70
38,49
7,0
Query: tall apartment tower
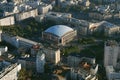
0,35
40,61
111,53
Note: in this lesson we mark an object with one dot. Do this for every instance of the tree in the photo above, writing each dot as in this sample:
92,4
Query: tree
22,75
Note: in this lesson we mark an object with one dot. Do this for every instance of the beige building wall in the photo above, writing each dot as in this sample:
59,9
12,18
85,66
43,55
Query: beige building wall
60,41
27,14
7,21
52,55
11,74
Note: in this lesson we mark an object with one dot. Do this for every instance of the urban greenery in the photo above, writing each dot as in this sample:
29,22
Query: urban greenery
27,28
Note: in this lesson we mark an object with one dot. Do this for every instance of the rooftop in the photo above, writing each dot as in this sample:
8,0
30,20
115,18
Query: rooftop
106,24
7,69
59,30
27,40
111,43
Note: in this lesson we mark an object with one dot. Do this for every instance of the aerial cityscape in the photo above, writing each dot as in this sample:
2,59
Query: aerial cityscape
59,39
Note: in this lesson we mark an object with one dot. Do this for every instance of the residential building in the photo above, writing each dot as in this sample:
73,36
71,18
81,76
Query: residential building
7,21
40,18
35,49
112,73
3,49
73,60
99,16
104,1
23,42
9,71
85,3
44,8
28,63
82,68
0,35
18,41
107,28
112,60
52,55
58,17
40,61
26,14
118,5
111,53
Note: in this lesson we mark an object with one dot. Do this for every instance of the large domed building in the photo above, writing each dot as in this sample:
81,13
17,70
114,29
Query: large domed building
59,34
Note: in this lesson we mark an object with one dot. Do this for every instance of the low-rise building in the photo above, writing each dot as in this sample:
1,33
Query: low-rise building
44,8
27,14
66,18
7,21
40,18
28,63
35,49
3,49
107,28
112,74
73,60
59,34
23,42
18,41
83,68
99,16
9,71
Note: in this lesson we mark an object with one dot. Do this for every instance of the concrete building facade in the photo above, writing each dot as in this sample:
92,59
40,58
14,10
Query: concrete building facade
104,27
10,72
52,55
66,18
59,34
82,68
112,60
19,41
112,74
7,21
0,35
40,61
3,49
111,53
44,8
25,15
28,63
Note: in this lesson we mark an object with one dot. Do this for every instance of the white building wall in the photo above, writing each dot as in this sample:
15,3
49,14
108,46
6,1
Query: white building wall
3,50
40,62
7,21
111,74
111,54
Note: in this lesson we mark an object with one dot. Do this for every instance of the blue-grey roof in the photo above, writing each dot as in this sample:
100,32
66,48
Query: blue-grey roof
59,30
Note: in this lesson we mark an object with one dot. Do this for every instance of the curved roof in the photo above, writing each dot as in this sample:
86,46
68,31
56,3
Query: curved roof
59,30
